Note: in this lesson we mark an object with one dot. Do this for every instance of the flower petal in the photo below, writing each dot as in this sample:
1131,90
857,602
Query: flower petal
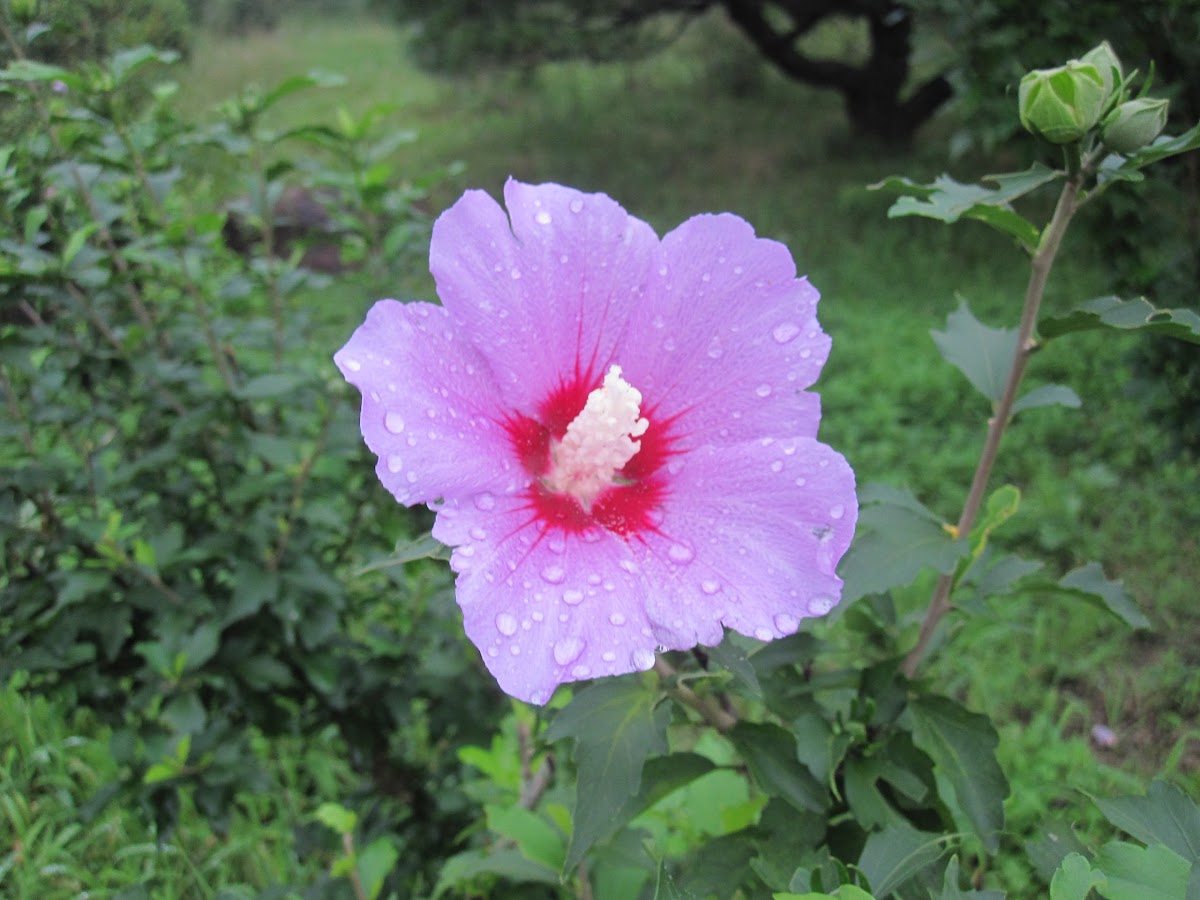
429,407
731,338
546,295
750,538
544,607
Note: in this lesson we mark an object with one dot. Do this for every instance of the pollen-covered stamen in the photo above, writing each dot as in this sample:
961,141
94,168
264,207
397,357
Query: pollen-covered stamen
599,441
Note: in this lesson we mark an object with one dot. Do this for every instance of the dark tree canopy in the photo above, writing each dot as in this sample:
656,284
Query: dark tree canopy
880,102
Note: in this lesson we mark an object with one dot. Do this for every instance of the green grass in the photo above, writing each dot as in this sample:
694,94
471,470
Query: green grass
669,139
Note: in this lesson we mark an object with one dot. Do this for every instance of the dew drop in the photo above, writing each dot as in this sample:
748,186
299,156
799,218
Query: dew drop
608,656
818,606
394,462
709,586
642,659
576,205
411,477
353,365
515,274
675,466
506,624
567,650
837,511
580,671
485,501
629,566
764,634
801,482
681,553
393,422
557,543
805,353
554,574
763,390
786,623
785,332
706,277
777,465
617,619
543,218
478,533
571,597
493,652
714,350
514,649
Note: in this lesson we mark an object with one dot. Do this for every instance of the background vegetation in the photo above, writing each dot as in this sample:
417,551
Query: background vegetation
706,125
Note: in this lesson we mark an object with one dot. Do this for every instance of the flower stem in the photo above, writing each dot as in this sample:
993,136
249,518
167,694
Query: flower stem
1043,260
710,710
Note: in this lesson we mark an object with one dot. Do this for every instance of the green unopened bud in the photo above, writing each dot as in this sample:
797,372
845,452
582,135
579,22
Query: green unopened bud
1134,124
1107,64
1062,104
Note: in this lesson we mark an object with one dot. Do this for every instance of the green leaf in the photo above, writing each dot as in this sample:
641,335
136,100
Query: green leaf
1001,506
275,384
948,201
616,724
894,855
962,746
314,78
76,241
536,838
1054,843
1048,395
661,776
185,714
28,70
1142,873
770,755
1088,582
421,547
1075,879
336,818
730,657
125,63
163,771
951,890
509,864
374,864
1126,315
897,539
200,646
1166,815
982,353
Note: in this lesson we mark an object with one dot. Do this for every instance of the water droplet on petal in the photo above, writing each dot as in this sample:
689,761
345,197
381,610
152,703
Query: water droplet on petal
515,273
764,634
675,466
394,462
763,390
785,623
493,652
543,218
567,650
576,205
557,543
554,574
617,619
629,565
837,511
608,656
478,533
393,422
785,332
485,501
818,606
580,671
709,586
642,659
353,365
411,477
801,482
777,466
571,597
514,649
714,349
681,553
506,624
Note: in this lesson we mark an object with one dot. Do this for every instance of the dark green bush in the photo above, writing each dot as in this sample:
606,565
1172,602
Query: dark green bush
185,498
68,32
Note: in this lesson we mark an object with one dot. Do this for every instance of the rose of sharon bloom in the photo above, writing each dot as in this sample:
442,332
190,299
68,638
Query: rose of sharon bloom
613,429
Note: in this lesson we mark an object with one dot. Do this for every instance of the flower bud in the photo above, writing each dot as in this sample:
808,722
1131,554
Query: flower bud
1062,104
1134,124
1106,63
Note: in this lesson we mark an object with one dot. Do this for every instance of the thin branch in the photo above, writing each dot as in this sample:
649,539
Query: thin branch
709,709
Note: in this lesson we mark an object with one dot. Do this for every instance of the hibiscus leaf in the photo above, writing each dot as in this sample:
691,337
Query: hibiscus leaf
1166,815
1114,313
962,745
1048,395
894,855
1074,879
771,756
897,539
616,725
1088,583
1142,873
982,353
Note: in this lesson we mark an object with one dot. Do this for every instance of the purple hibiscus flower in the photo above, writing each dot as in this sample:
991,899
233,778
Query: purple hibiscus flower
613,429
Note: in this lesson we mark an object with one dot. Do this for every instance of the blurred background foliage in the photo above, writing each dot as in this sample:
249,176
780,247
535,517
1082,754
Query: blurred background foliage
199,643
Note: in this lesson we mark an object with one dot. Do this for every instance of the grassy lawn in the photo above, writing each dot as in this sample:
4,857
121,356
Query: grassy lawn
669,138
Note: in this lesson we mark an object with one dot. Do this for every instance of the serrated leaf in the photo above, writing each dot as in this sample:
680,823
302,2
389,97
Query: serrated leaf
897,539
1074,879
1048,395
616,725
962,745
1165,815
1142,873
770,754
982,353
894,855
948,201
536,838
1088,582
1125,315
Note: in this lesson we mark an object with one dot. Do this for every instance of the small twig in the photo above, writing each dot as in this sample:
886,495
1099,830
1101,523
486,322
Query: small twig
533,784
1043,260
298,485
585,884
710,710
360,892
